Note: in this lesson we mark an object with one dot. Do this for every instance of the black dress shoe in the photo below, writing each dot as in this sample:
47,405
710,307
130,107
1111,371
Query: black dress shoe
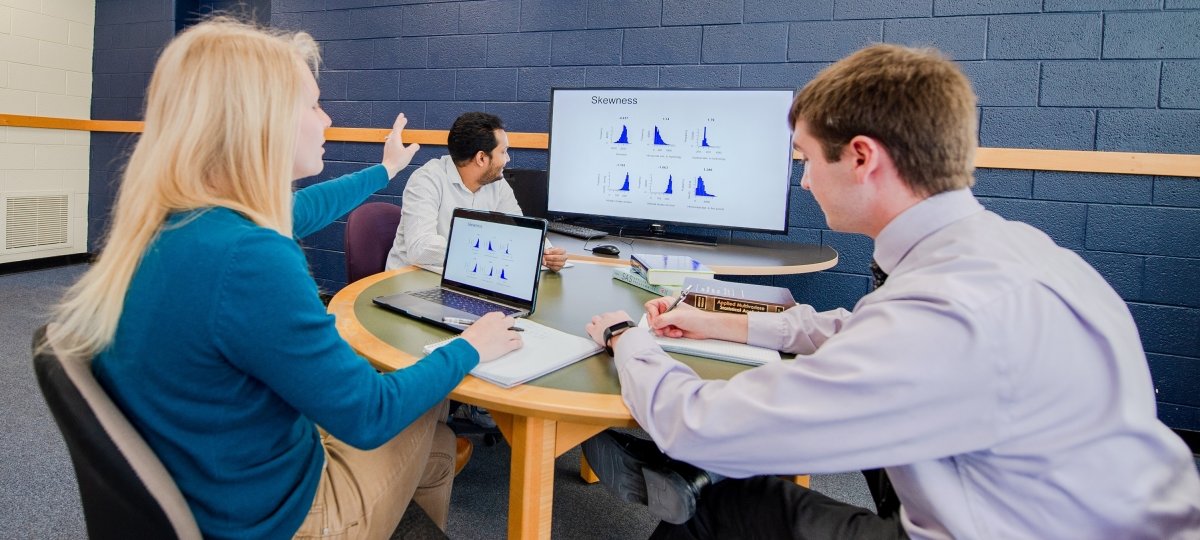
635,470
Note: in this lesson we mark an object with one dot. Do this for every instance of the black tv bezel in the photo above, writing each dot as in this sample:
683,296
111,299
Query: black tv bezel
558,214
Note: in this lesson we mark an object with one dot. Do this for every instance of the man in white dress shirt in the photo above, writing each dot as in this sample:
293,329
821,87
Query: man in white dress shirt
470,176
996,377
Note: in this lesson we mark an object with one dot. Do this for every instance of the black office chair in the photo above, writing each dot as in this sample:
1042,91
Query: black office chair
126,491
529,186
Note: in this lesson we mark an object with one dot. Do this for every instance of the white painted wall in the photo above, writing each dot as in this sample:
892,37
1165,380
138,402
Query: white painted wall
46,70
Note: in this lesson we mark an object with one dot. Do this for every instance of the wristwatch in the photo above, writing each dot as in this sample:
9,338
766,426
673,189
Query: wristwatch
613,331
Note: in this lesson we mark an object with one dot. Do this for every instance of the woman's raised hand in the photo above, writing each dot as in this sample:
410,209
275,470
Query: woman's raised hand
396,155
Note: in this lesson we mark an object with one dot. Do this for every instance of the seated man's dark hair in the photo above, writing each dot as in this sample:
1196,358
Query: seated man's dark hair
472,132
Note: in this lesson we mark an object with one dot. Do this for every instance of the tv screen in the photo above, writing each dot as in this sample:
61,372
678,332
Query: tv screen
710,158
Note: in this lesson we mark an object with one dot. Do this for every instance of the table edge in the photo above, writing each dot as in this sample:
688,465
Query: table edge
525,400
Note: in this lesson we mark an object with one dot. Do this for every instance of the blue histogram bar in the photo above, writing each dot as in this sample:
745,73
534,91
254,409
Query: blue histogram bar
700,192
625,187
704,141
658,140
670,190
624,138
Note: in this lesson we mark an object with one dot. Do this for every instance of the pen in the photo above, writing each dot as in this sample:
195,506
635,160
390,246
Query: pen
682,294
467,322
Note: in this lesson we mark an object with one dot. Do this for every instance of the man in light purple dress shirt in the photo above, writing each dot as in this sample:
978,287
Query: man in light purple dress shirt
996,377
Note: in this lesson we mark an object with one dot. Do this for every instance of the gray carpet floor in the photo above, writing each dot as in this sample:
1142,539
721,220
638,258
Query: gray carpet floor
39,498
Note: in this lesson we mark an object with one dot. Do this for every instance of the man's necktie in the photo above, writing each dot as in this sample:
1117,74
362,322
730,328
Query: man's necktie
887,503
878,274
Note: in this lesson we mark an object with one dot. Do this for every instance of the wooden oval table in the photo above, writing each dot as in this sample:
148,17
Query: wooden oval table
541,419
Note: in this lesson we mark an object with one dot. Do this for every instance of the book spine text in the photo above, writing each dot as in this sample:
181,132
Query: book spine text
709,302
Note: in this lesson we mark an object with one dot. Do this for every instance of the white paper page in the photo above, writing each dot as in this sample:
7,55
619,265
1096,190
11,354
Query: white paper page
545,350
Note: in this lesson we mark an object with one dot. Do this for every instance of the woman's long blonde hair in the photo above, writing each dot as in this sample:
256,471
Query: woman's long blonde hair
220,130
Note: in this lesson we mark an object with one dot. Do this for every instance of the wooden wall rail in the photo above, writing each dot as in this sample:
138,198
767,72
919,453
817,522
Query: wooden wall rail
989,158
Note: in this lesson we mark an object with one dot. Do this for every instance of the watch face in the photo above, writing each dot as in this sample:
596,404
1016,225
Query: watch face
621,327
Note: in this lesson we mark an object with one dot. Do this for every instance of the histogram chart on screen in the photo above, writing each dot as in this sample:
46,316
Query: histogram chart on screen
683,157
494,256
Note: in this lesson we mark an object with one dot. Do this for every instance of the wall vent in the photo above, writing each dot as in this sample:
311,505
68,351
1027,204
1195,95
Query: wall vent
36,221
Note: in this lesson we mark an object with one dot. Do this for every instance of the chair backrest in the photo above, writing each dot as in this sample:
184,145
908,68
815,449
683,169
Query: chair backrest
125,490
529,186
370,232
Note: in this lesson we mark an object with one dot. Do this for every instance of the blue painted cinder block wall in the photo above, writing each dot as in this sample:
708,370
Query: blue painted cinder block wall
1060,74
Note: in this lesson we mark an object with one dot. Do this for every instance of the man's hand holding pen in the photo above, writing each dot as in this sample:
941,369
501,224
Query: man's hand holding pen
688,322
665,320
660,307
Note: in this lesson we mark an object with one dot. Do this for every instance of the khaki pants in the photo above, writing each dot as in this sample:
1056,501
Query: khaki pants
363,493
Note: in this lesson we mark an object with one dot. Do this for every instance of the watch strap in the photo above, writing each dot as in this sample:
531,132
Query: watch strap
615,330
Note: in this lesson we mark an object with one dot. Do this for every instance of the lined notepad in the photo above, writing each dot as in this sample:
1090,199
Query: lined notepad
545,350
716,349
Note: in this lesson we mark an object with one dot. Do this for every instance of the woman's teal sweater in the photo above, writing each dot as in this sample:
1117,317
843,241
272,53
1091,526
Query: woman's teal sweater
226,362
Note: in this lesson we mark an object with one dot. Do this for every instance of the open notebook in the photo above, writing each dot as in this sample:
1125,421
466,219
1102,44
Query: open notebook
545,350
716,349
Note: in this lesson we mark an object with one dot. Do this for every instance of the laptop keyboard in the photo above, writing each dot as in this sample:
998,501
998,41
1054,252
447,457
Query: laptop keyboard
462,301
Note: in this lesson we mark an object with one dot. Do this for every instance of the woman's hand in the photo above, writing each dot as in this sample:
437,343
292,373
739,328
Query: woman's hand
396,156
491,337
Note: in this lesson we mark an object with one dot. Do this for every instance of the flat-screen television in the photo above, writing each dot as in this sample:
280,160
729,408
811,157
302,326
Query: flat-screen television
698,157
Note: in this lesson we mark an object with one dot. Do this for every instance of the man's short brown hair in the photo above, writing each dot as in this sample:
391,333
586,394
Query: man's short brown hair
915,102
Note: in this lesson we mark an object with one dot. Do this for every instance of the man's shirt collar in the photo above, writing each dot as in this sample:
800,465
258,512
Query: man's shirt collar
924,218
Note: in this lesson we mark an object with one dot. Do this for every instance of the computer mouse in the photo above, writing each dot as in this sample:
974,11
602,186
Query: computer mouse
606,249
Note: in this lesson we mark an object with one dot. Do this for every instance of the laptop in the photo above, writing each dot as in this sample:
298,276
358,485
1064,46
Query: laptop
493,262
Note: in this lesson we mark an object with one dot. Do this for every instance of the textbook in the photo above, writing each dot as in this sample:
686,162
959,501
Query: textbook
716,349
624,273
545,350
668,269
729,297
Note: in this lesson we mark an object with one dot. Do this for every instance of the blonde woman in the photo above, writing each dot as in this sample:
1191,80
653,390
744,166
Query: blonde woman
207,329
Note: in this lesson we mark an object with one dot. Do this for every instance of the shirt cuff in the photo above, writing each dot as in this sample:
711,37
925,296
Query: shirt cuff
632,343
767,330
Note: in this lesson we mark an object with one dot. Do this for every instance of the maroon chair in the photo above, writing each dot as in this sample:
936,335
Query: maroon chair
370,231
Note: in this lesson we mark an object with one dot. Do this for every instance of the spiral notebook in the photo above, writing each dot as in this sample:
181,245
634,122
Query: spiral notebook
545,350
716,349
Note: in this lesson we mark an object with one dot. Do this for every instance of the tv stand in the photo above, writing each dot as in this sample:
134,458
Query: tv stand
658,231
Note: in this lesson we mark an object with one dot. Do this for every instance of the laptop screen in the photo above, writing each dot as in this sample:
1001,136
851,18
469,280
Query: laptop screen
495,254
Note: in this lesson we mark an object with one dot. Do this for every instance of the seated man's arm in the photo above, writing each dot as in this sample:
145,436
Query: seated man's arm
419,219
799,330
855,403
